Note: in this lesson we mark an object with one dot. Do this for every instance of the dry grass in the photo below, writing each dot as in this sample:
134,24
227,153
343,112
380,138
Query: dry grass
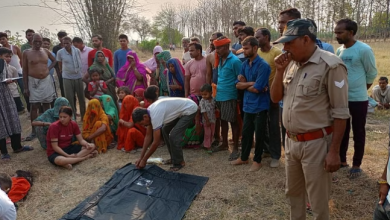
231,193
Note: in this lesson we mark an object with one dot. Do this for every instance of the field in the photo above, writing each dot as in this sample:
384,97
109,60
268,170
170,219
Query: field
231,192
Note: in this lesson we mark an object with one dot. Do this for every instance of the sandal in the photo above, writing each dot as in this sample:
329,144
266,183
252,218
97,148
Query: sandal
24,148
112,145
5,157
167,162
177,167
31,137
234,155
355,173
344,166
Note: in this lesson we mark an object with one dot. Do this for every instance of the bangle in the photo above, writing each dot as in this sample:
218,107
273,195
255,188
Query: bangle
382,181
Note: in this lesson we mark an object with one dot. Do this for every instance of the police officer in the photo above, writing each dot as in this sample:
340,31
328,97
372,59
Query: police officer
314,87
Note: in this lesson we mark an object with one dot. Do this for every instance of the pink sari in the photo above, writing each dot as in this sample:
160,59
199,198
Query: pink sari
126,76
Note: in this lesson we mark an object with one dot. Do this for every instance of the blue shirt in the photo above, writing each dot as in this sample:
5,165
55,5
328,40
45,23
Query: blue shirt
360,62
236,46
227,76
259,73
327,47
120,59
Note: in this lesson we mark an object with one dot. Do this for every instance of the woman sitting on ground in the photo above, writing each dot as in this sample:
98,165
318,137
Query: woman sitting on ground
42,123
132,74
96,126
139,94
175,78
111,111
130,136
107,75
59,139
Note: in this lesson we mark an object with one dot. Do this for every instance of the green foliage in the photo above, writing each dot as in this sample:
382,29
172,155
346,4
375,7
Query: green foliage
147,45
169,35
15,39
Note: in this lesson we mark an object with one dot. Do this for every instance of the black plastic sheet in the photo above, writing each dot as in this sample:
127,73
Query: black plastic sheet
151,193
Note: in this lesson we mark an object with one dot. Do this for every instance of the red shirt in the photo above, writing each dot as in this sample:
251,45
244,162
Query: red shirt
107,53
64,134
92,85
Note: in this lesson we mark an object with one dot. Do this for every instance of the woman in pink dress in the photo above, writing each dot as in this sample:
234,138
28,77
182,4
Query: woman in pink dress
132,74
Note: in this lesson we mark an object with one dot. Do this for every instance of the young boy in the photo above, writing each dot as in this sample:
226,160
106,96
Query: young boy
6,55
7,207
96,87
122,92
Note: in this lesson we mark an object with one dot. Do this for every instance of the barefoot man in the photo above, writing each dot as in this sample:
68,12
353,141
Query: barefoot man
39,86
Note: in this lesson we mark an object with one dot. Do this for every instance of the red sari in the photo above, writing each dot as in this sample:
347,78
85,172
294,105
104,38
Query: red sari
129,138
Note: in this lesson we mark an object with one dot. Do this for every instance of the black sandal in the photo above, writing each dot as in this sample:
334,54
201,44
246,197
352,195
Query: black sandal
176,167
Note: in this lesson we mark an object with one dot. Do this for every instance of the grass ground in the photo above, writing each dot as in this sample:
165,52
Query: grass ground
231,192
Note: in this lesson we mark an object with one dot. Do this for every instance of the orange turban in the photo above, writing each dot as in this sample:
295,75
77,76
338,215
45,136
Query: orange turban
218,43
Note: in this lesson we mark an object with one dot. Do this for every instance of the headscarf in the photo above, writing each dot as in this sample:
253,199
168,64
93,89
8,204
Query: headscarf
129,103
52,115
151,64
96,111
177,78
165,56
108,73
126,76
110,109
218,43
141,93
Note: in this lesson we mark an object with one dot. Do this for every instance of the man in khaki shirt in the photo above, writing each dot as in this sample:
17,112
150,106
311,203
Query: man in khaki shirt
314,88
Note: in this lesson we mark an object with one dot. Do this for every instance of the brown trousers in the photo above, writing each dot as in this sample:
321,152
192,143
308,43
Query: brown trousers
305,174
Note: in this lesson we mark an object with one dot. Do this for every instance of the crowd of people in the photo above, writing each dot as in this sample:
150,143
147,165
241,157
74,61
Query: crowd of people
300,98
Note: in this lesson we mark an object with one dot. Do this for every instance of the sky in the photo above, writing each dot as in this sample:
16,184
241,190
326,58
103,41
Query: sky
19,16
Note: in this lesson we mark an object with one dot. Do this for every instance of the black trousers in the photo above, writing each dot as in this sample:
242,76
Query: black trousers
15,143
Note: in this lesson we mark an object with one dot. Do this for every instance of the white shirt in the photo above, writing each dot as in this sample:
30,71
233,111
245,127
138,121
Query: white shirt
166,110
7,207
186,57
84,59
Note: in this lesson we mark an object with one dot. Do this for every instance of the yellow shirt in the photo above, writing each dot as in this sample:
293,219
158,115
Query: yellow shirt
269,58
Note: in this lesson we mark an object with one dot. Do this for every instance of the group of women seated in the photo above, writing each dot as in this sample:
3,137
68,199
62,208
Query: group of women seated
105,125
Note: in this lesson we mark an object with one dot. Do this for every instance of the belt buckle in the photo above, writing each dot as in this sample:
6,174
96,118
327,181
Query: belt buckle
293,137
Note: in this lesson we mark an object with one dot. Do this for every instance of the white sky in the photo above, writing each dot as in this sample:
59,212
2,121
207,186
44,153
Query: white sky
16,17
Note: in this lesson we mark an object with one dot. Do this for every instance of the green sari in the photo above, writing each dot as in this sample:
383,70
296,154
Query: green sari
110,109
108,73
163,56
49,116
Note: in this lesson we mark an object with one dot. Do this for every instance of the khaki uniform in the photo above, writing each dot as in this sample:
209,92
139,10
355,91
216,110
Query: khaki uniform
314,94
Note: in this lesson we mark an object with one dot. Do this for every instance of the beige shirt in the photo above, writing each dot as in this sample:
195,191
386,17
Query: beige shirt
315,93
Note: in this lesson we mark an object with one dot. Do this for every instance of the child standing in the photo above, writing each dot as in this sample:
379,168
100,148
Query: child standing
122,92
6,54
96,87
207,109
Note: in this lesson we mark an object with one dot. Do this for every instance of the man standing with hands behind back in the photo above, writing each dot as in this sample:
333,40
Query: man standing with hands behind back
312,84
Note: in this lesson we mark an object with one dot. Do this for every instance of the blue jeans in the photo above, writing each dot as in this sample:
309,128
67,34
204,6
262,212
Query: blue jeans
382,212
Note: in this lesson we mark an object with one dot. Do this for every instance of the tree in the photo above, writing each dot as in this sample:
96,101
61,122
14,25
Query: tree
166,20
91,17
142,26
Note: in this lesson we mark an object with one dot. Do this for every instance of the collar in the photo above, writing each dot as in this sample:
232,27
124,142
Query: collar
315,58
230,54
257,59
